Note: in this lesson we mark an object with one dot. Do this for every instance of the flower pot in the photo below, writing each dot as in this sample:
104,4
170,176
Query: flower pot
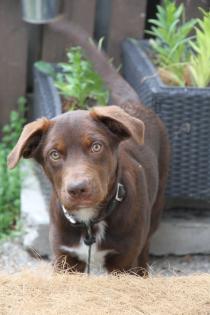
40,11
186,114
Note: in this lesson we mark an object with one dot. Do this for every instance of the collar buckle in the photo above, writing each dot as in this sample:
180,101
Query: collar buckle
120,192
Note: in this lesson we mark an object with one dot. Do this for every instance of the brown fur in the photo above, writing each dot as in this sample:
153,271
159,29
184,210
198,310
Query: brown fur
135,151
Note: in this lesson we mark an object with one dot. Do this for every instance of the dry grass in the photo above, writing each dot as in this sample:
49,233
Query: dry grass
42,292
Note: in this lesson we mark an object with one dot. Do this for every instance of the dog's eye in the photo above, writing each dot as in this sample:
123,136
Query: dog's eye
96,147
54,155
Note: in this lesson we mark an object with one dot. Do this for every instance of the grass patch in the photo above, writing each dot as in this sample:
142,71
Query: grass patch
10,183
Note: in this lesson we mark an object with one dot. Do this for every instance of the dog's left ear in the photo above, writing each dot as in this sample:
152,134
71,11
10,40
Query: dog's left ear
28,141
119,122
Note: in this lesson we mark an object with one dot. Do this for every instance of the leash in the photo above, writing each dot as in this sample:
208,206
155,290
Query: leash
90,239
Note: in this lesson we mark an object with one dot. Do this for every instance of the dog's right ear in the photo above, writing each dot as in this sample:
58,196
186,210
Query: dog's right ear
119,122
28,141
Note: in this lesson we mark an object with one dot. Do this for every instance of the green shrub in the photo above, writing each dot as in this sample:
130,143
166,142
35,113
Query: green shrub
200,60
171,39
77,79
10,181
181,59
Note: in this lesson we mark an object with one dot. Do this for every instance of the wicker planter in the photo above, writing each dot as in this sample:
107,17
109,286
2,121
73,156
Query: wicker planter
186,113
47,101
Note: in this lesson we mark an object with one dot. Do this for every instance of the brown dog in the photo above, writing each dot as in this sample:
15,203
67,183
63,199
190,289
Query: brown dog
108,170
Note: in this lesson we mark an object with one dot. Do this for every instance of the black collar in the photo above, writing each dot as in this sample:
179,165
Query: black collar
89,237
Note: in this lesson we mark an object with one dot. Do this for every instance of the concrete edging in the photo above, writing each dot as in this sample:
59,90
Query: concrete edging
34,212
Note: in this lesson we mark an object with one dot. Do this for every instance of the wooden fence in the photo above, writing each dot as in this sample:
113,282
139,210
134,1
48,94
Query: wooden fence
21,43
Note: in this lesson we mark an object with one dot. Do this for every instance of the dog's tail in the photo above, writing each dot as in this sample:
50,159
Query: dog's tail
121,92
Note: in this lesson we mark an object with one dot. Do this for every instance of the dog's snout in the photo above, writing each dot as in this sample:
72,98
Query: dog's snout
78,189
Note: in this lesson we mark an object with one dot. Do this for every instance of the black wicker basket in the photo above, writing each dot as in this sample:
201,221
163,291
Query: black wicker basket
47,101
186,113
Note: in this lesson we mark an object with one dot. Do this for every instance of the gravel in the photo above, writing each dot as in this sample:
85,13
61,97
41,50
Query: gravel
13,257
179,265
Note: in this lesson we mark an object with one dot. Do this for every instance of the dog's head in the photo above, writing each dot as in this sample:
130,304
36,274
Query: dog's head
79,153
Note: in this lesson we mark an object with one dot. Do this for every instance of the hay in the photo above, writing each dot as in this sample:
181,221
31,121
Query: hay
42,292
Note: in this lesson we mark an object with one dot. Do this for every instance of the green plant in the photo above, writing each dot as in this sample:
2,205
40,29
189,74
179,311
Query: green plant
171,40
200,60
77,79
10,180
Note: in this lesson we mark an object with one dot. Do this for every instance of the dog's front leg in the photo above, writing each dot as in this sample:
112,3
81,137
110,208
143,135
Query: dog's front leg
122,264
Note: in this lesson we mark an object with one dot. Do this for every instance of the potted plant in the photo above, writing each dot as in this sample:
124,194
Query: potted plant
171,74
67,86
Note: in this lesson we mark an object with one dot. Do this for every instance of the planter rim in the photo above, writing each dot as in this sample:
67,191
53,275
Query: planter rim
152,72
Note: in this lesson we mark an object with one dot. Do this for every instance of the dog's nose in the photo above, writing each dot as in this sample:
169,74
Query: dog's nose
78,189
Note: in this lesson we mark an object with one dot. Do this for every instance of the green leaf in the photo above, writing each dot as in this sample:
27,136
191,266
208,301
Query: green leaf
10,180
171,38
45,68
200,61
78,79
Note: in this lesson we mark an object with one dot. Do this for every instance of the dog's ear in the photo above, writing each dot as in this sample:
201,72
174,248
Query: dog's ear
119,122
28,141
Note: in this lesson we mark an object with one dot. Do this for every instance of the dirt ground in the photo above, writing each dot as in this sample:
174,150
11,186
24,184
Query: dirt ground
13,257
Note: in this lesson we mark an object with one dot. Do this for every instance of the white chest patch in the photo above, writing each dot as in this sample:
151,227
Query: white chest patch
85,214
97,258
